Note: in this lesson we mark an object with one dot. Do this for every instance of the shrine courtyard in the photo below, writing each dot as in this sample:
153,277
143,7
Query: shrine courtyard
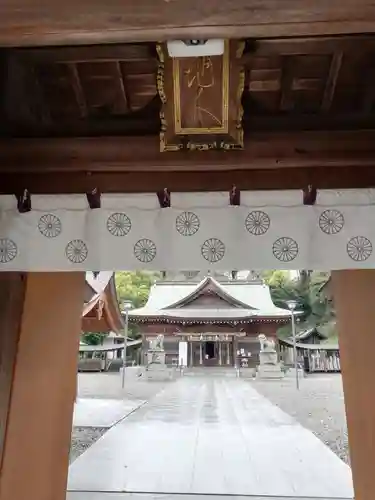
209,435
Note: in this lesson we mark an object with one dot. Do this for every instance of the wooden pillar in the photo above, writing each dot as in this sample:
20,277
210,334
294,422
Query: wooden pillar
354,295
12,290
42,385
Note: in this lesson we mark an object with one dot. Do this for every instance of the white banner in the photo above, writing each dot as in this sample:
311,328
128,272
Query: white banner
182,353
200,231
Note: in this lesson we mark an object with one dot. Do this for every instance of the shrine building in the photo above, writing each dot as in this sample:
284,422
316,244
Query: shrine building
218,317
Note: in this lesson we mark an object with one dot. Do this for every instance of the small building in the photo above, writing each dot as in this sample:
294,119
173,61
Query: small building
106,357
313,352
101,313
209,321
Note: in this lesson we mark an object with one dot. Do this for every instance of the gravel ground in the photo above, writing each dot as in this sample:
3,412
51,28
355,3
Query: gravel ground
83,438
107,386
318,406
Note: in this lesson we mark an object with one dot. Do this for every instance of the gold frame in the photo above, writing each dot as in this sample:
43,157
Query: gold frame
225,92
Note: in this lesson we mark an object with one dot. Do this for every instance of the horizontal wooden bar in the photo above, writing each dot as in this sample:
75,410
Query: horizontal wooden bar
29,23
184,181
111,52
127,154
294,46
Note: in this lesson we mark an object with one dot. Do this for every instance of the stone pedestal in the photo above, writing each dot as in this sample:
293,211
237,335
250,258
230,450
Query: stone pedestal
156,367
270,371
268,358
291,372
269,366
155,358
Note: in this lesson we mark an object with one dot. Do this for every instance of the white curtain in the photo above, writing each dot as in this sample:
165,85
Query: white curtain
200,231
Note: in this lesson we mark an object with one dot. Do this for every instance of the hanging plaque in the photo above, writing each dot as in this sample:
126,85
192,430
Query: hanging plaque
201,100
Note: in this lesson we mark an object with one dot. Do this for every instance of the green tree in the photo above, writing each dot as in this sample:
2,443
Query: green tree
306,290
134,286
92,338
282,287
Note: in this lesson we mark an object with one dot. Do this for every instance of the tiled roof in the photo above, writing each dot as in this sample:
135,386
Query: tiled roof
253,299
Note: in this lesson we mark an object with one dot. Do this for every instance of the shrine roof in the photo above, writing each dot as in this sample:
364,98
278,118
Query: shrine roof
98,282
310,332
106,348
100,287
242,299
312,347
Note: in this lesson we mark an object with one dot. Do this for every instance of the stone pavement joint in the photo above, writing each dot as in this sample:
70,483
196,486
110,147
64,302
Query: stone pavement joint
92,412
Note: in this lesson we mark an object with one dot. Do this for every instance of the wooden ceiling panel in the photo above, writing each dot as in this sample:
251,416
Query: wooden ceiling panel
311,66
96,70
309,83
102,87
261,103
141,67
86,90
141,88
265,62
57,91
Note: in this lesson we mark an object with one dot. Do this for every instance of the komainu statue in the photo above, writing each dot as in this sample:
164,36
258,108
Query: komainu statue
157,344
265,344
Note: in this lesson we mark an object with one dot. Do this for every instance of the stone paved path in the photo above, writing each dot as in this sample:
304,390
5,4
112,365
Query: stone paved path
92,412
209,436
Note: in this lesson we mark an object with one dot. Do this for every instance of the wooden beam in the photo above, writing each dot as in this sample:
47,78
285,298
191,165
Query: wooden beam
27,23
134,164
12,292
121,84
329,122
334,177
286,93
78,91
331,82
80,54
369,92
135,154
325,45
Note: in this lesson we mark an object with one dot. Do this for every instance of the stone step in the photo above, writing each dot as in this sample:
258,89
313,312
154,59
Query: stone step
78,495
210,371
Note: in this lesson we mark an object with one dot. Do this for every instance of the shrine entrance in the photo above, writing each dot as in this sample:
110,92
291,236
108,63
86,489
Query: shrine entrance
210,353
177,136
210,350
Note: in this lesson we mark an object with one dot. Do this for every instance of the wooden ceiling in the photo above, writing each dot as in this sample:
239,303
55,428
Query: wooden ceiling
310,83
290,84
104,90
309,118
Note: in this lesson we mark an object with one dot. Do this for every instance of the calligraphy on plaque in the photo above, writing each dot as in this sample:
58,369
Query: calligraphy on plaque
200,104
201,100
